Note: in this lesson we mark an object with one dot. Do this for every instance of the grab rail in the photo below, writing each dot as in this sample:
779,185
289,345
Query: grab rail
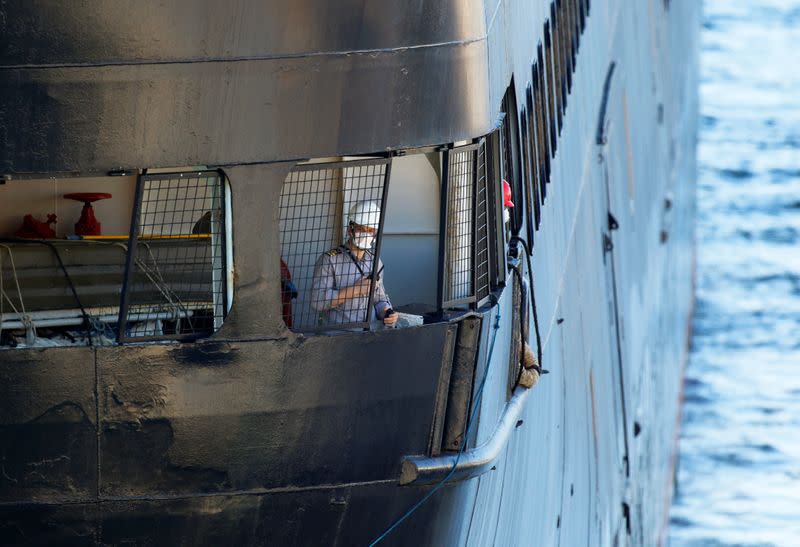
419,470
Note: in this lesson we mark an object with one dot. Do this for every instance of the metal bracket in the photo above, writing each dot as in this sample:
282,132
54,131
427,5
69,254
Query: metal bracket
608,245
601,137
626,513
612,222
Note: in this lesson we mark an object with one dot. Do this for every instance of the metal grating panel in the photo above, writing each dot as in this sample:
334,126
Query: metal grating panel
505,147
175,273
315,203
497,243
512,172
459,287
482,279
531,181
542,134
576,31
552,94
565,47
465,269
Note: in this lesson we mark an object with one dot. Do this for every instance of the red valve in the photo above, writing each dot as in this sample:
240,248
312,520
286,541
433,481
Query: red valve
87,225
507,194
36,229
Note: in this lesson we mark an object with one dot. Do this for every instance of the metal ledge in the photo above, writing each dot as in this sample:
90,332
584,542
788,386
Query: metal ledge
420,470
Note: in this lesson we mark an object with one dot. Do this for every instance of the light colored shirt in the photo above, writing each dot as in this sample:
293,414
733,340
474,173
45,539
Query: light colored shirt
338,269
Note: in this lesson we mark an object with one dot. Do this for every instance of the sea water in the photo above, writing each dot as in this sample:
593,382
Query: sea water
739,466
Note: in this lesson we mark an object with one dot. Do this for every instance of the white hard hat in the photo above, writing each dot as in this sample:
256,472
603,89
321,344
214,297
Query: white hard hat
365,213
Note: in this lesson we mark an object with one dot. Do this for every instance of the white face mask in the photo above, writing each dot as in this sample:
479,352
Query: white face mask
363,240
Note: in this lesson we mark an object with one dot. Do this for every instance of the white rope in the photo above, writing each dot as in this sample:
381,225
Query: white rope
160,285
24,317
173,301
160,282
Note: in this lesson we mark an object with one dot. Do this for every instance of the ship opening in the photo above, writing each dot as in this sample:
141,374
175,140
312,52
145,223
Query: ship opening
438,245
115,259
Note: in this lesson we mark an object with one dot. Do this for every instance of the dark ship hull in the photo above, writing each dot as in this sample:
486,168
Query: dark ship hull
257,435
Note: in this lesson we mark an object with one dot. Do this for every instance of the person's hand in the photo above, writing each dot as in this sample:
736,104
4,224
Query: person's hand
361,288
356,290
390,319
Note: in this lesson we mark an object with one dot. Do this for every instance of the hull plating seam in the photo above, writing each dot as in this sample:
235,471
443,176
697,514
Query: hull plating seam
227,494
244,59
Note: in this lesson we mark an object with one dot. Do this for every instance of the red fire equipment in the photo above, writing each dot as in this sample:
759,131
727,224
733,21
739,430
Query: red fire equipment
36,229
507,194
87,225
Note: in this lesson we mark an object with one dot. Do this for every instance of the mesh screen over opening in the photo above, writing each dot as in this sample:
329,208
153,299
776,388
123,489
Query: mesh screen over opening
466,265
325,285
175,280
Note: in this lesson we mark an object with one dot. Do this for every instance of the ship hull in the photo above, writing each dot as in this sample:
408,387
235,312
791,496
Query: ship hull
260,436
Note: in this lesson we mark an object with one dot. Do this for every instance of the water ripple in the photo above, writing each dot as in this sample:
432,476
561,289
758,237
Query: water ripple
738,474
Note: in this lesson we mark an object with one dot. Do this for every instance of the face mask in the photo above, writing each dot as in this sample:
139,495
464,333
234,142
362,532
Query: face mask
363,240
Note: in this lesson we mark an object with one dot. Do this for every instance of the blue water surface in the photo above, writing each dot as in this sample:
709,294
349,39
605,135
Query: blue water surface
739,468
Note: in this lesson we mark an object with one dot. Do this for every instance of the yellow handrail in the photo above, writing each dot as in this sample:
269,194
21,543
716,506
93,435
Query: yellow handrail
179,236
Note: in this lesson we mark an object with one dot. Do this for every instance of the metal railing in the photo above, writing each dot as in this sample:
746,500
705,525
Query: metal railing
455,466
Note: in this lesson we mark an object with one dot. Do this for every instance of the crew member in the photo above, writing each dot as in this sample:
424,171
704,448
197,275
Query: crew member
342,276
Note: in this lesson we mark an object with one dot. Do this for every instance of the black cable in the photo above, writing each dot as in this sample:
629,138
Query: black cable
86,321
533,298
522,320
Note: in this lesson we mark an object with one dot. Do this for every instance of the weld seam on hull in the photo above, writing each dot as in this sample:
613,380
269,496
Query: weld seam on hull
230,493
